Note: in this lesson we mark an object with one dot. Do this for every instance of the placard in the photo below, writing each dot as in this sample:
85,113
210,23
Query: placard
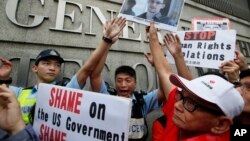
207,49
165,13
69,114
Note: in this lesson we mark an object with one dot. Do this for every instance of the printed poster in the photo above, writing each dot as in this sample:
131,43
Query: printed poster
165,13
201,24
207,49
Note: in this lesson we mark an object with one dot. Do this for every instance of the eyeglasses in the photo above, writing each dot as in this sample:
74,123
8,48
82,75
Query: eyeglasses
156,2
191,105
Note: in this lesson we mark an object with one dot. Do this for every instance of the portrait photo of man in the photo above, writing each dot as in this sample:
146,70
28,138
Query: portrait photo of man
154,11
128,7
165,13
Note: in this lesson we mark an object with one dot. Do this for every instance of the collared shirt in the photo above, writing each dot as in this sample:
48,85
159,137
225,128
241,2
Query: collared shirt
73,83
151,100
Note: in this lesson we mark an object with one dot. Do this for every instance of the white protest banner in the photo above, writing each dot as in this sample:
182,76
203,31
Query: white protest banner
165,13
65,114
201,24
207,49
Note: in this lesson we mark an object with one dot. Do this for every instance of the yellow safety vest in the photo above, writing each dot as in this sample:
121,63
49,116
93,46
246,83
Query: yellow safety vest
26,104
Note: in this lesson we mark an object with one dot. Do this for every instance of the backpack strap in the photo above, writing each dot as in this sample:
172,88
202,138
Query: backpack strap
140,101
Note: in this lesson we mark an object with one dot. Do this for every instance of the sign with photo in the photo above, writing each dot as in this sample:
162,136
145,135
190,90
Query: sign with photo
201,24
165,13
207,49
70,114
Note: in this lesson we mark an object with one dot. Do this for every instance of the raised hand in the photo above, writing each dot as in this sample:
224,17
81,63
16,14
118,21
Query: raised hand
231,69
5,69
11,118
113,29
241,60
173,44
149,57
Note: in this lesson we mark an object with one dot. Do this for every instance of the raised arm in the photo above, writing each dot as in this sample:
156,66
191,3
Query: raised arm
162,66
174,46
111,32
161,96
241,60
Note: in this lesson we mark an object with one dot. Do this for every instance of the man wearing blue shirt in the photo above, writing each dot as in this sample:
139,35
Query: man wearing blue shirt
48,67
125,84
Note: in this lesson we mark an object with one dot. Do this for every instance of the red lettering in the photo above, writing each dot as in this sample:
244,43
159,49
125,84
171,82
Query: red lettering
52,135
78,102
58,97
41,132
195,35
71,101
211,35
65,100
205,35
51,100
188,36
49,134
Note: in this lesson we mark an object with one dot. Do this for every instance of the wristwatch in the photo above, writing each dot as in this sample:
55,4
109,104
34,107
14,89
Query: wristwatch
107,40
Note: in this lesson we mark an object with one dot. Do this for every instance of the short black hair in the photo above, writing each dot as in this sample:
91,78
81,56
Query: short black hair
127,70
244,73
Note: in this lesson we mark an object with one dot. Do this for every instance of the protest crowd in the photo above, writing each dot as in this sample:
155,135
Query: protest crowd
203,108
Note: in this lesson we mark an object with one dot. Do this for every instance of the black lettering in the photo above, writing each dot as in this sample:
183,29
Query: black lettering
209,56
56,119
199,45
101,111
222,57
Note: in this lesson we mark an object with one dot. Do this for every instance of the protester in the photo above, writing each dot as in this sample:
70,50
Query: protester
242,82
12,127
198,107
48,66
174,47
125,84
244,89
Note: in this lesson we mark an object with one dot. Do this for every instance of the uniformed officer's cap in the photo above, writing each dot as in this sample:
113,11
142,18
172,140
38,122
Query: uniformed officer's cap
48,53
